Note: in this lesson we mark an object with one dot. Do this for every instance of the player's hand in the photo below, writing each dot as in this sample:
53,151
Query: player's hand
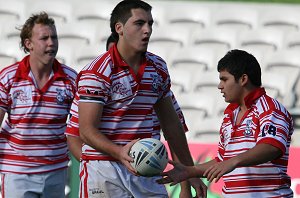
178,174
216,171
185,190
181,173
199,186
125,158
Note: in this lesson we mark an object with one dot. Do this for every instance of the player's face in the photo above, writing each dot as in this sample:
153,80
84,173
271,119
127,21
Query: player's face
137,30
230,88
43,44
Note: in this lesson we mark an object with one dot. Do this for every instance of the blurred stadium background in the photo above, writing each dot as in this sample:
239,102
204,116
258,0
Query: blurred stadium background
191,36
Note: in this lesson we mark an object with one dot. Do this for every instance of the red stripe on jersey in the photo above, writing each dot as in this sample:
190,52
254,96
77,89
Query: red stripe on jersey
258,182
32,160
32,141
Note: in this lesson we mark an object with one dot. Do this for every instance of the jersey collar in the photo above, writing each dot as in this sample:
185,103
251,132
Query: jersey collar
117,59
249,99
24,69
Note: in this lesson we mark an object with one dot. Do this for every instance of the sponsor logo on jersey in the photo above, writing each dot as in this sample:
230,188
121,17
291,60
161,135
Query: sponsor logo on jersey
21,96
92,92
119,88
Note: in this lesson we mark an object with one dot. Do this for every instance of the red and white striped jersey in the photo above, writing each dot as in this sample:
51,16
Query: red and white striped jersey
73,123
127,98
32,138
266,121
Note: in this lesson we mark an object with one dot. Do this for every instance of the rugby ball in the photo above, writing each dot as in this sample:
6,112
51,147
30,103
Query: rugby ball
150,157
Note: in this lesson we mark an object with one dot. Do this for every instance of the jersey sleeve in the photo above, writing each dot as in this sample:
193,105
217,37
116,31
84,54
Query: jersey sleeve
73,123
4,95
93,87
275,129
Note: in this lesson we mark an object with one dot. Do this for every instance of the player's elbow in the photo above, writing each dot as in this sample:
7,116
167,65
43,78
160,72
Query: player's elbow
173,131
83,133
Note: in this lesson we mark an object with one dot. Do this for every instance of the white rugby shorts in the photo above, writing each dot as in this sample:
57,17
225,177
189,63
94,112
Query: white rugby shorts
109,179
47,185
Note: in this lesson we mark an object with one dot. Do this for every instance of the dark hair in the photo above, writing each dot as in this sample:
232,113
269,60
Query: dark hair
122,12
109,40
26,30
239,62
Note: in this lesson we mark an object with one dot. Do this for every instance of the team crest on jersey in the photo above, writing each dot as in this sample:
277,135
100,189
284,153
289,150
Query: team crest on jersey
21,97
248,131
61,95
157,83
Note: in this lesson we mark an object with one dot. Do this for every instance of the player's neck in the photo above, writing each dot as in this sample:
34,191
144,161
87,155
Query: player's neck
40,71
131,57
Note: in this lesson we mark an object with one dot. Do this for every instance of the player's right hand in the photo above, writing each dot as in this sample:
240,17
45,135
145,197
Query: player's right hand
125,158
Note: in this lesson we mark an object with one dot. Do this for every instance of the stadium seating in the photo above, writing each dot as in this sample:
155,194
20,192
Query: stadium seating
194,58
9,53
191,17
170,37
61,11
280,18
93,11
216,38
77,34
86,54
236,18
12,11
264,39
181,79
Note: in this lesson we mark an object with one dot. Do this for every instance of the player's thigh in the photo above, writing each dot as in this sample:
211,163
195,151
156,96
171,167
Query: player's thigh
100,179
55,183
20,185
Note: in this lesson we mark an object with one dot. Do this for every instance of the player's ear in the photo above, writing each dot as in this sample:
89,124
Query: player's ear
119,28
244,79
28,44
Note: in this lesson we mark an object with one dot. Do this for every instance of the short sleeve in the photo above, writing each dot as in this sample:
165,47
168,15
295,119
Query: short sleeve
275,129
4,99
73,123
93,88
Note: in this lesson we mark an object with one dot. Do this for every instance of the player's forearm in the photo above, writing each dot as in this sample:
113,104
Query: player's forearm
199,169
178,143
260,154
74,145
95,139
185,186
